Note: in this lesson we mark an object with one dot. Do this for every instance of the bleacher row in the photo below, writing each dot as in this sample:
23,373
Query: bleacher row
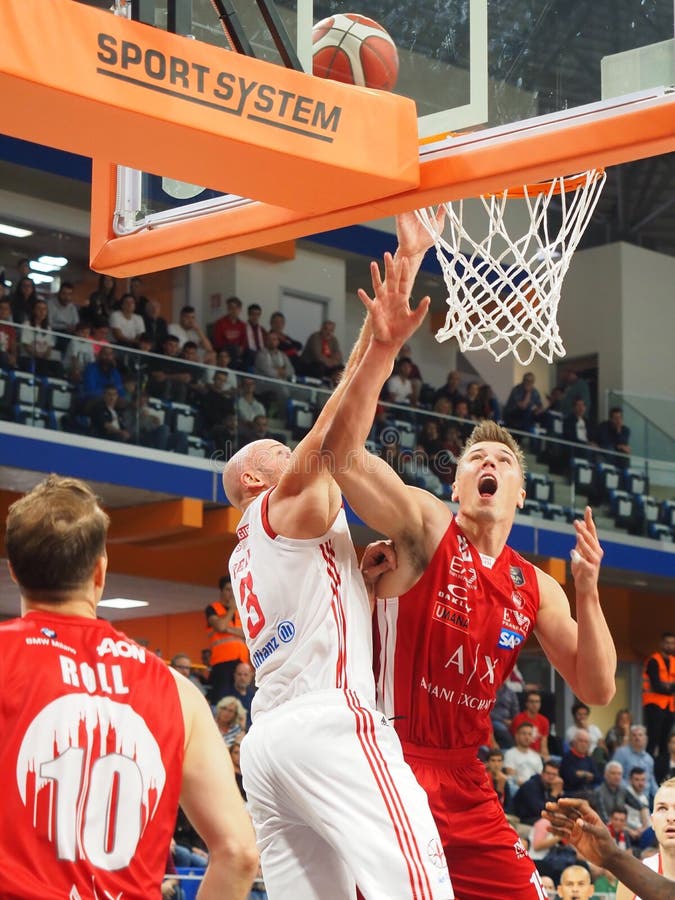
622,490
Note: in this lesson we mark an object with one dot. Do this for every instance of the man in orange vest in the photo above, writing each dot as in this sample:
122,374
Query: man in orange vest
658,695
227,644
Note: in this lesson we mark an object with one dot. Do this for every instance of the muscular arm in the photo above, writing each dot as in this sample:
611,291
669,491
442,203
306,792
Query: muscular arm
577,648
213,804
575,821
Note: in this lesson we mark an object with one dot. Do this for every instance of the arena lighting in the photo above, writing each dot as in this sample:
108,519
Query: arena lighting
40,279
122,603
57,262
13,231
42,267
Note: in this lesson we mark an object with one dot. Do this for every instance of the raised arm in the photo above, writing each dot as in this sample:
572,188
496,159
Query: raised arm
577,648
213,804
373,488
573,820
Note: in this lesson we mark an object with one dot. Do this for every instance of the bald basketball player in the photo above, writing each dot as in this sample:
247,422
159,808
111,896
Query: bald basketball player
333,803
451,618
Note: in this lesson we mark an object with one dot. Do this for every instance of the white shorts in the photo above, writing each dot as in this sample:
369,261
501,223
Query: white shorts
335,806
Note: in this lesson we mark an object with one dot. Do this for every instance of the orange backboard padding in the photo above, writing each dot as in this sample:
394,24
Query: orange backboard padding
89,82
469,168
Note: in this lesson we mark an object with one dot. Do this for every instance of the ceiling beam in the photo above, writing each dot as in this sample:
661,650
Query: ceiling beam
151,521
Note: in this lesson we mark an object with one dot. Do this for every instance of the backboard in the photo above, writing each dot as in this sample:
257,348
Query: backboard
506,92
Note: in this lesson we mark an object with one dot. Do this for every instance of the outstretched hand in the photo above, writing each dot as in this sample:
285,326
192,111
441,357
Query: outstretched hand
573,820
413,237
378,558
587,554
392,320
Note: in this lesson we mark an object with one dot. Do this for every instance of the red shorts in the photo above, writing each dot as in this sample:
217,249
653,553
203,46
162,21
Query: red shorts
485,856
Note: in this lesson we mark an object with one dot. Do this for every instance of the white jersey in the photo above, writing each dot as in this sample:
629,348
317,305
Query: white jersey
304,610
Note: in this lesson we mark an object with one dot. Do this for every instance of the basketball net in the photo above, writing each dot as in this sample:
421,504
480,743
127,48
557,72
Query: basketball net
503,292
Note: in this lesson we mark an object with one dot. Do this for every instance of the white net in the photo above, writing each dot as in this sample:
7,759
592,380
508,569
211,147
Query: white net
503,292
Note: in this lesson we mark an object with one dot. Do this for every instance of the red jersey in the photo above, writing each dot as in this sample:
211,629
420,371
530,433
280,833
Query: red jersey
444,647
541,727
91,759
228,333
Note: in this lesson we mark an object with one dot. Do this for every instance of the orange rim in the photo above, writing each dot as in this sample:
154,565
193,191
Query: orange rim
563,184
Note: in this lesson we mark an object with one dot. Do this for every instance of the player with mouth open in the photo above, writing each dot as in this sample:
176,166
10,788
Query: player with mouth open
450,619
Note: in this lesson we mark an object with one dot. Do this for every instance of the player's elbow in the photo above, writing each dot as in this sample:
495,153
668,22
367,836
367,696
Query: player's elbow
238,855
598,694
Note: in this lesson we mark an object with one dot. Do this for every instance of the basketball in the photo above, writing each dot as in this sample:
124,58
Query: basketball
356,50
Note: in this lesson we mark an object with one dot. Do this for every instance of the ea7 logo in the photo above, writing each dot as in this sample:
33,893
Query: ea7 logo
509,640
515,619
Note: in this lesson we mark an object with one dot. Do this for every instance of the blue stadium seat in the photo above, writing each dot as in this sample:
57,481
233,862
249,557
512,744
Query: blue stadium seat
301,417
635,481
533,508
583,476
623,507
554,512
190,879
407,439
539,486
667,513
608,478
183,417
660,532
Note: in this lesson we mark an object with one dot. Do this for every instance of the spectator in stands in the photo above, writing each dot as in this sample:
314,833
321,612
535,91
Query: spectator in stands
472,402
257,430
576,430
466,426
146,425
577,769
198,384
450,390
322,354
102,373
38,343
540,724
658,694
188,329
635,755
214,405
618,734
235,755
541,842
64,314
399,388
243,687
638,819
105,418
102,301
8,347
581,714
230,719
523,405
539,789
226,640
136,291
613,435
574,388
248,407
494,766
255,334
610,794
617,828
22,299
79,352
189,851
488,405
415,374
287,345
520,761
273,363
664,764
575,883
125,323
502,714
156,326
170,377
229,332
181,663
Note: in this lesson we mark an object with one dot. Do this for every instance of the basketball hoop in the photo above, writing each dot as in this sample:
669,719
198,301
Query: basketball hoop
503,292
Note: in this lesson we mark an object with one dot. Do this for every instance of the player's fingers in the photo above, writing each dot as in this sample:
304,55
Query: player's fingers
375,276
365,298
421,311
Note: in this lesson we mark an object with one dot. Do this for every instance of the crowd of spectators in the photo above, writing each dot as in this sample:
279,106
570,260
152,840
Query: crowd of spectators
531,762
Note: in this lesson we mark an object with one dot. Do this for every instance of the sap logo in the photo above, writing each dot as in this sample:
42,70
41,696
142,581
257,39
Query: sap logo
509,640
124,649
